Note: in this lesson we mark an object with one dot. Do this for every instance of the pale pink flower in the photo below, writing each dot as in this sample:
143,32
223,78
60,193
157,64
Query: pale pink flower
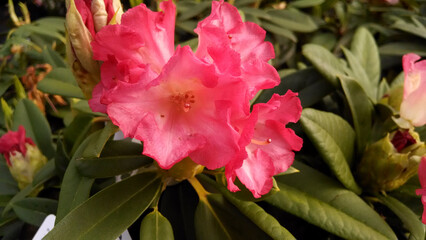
413,106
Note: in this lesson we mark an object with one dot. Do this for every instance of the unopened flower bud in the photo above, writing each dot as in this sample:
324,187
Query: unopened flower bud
388,163
83,20
23,157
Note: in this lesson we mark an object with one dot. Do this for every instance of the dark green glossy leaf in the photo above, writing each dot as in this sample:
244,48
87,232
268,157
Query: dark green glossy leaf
75,133
321,214
333,193
61,159
215,218
110,166
34,210
52,86
334,139
36,126
252,211
408,218
111,211
75,188
156,227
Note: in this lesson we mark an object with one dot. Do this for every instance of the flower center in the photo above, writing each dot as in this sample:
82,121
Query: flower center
184,101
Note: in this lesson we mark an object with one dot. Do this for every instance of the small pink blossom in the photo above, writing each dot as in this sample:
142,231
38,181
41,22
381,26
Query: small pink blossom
12,143
422,191
414,99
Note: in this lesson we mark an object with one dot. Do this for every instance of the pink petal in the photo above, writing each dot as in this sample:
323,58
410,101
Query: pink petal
285,109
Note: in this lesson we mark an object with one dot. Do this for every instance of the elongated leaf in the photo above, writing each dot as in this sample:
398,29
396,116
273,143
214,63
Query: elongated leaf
111,211
305,3
8,185
215,218
34,210
191,9
325,62
45,173
333,193
52,86
110,166
365,49
401,48
334,139
273,28
408,218
75,188
156,227
36,126
74,134
361,109
293,20
321,214
252,211
360,75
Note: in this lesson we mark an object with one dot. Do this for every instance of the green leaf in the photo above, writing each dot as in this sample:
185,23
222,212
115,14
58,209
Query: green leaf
321,214
36,126
364,48
408,218
401,48
189,10
109,212
34,210
156,227
61,159
333,193
110,166
215,218
334,139
54,23
305,3
45,173
279,30
293,20
252,211
360,75
75,133
75,188
415,28
8,185
361,109
53,58
52,86
325,62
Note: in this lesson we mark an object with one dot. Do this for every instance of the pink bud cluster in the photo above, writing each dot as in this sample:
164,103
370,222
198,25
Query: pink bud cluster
182,103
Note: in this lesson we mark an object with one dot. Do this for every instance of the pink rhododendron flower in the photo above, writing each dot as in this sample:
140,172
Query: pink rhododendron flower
422,178
414,99
184,104
271,144
13,143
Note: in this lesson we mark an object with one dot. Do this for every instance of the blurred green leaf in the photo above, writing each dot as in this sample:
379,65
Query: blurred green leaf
305,3
360,75
189,9
111,211
279,31
36,126
8,185
52,86
156,227
34,210
53,58
325,62
53,23
415,28
408,218
334,139
361,109
75,133
293,20
401,48
364,48
45,173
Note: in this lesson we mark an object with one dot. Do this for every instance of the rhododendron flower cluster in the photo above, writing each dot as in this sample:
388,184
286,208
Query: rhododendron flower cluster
414,99
182,103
